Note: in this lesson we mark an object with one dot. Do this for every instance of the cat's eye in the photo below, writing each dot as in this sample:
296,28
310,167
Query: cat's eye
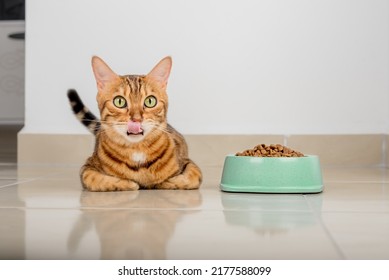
120,102
150,101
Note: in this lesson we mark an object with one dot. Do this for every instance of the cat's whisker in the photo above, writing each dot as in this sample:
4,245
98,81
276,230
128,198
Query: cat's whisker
113,122
156,127
101,121
104,122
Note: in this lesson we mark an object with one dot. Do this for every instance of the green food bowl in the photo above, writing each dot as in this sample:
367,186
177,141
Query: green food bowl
271,174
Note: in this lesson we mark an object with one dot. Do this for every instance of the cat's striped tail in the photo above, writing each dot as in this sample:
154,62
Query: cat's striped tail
82,113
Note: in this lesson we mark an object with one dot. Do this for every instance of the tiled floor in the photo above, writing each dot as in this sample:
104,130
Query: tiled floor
44,214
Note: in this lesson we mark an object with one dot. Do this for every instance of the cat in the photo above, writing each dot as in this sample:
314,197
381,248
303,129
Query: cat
135,146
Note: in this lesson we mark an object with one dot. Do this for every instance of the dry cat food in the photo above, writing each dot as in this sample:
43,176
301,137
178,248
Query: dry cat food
273,150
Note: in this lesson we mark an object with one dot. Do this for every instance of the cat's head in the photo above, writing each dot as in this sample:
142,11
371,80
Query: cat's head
132,106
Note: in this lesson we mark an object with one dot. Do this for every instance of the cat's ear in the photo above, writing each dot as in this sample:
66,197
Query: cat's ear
103,74
160,73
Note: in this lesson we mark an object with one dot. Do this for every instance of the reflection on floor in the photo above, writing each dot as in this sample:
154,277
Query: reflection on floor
44,214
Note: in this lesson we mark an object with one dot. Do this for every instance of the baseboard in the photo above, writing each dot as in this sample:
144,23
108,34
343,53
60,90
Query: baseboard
386,151
54,149
210,150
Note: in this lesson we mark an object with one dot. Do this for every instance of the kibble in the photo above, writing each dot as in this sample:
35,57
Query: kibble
273,150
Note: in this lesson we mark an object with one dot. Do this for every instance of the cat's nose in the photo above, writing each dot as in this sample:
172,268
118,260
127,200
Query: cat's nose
136,117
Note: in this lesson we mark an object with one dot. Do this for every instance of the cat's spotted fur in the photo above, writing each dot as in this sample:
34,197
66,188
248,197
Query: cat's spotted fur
135,146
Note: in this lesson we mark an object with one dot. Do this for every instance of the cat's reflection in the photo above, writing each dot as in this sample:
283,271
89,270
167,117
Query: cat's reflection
132,225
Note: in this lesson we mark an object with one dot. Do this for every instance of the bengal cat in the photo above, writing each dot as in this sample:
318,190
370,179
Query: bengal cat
135,146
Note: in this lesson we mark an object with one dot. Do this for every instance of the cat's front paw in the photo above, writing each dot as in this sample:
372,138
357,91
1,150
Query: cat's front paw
97,182
179,182
166,186
125,185
121,185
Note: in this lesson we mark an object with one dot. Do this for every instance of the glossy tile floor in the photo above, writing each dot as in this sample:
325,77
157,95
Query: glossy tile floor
44,214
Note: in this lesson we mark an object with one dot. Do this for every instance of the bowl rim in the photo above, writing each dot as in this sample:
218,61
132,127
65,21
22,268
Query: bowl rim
251,157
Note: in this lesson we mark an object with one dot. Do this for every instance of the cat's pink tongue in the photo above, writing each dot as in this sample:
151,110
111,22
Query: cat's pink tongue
134,127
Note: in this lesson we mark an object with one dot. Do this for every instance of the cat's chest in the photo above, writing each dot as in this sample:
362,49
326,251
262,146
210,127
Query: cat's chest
147,170
138,157
147,164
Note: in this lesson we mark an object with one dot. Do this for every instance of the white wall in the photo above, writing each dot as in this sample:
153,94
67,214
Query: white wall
247,66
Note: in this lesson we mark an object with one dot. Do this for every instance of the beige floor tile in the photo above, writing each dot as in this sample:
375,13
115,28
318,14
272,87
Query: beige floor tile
6,182
264,202
251,235
50,193
49,233
47,215
353,197
169,234
143,199
215,199
12,234
41,193
360,236
133,234
62,193
8,171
